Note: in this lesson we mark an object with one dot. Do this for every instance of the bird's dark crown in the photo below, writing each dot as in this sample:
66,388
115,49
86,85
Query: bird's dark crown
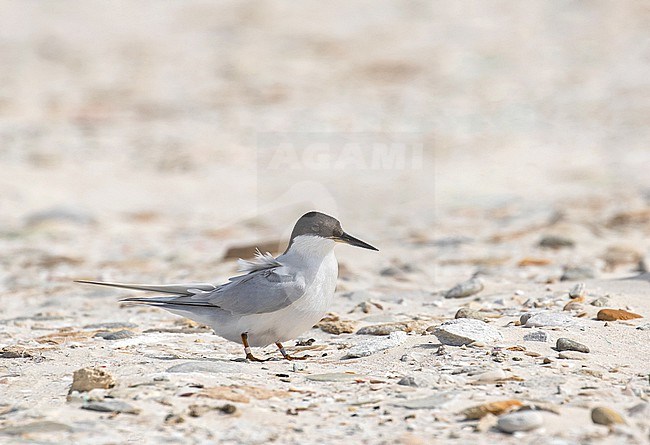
317,224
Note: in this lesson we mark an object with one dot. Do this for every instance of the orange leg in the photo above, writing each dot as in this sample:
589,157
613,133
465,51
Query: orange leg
247,349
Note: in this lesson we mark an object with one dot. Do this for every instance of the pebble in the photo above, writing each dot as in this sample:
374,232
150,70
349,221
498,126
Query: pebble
415,381
117,335
334,377
59,214
573,306
644,327
496,408
520,421
600,302
465,312
577,291
41,426
111,325
565,344
546,319
437,400
337,327
373,345
606,416
555,242
616,314
491,376
463,331
576,273
465,289
207,366
572,355
387,328
111,406
85,379
537,336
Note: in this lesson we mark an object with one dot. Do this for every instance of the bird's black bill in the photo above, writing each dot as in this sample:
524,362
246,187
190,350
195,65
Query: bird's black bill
348,239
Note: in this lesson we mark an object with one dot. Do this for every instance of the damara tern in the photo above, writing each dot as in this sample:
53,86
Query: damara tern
275,300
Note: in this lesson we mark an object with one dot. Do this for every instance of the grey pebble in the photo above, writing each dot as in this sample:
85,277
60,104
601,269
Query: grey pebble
565,344
334,377
571,355
373,345
465,312
546,319
117,335
644,327
556,242
537,336
434,401
207,366
59,214
600,302
465,289
111,325
42,426
575,273
520,421
407,381
578,290
462,331
111,406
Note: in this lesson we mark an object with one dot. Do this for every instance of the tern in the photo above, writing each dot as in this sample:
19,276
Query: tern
274,300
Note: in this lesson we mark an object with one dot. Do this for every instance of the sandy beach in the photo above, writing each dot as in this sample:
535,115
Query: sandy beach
497,155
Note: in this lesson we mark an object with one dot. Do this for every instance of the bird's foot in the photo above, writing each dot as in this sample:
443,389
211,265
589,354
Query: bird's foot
252,358
292,357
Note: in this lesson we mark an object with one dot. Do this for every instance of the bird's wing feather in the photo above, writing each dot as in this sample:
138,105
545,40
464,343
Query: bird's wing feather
261,291
256,292
176,289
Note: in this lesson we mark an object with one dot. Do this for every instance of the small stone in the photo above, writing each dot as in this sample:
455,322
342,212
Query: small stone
117,335
640,410
298,367
600,302
496,408
571,355
537,336
577,291
555,242
565,344
373,345
606,416
334,377
387,328
548,319
573,306
415,381
337,327
111,325
616,256
85,379
491,376
616,314
42,426
111,406
465,312
465,289
575,273
207,366
644,327
520,421
463,331
434,401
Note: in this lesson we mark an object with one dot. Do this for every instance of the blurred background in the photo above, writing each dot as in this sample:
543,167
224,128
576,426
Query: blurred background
148,129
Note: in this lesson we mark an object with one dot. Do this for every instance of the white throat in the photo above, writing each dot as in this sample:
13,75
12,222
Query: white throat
310,248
